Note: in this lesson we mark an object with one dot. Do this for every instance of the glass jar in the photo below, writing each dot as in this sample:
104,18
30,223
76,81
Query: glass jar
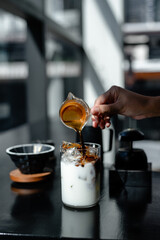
80,174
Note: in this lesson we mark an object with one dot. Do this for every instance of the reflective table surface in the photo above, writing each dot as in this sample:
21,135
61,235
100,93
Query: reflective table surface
35,211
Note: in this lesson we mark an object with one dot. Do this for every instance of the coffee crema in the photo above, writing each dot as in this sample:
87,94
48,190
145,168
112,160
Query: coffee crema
86,154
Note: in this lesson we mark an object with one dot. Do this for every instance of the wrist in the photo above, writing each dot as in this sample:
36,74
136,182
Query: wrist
154,107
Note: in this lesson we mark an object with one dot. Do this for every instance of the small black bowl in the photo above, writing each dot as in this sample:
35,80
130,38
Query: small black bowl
30,158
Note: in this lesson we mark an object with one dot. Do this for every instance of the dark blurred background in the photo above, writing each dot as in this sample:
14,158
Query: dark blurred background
51,47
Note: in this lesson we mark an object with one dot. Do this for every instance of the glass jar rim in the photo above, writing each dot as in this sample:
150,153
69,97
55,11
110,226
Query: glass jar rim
89,144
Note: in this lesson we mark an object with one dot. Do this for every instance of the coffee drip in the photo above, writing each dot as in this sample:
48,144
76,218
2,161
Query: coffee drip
74,113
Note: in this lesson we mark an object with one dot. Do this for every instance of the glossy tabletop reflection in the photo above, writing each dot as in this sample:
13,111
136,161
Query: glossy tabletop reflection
35,211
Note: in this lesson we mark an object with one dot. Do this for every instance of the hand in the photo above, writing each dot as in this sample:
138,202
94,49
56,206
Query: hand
121,101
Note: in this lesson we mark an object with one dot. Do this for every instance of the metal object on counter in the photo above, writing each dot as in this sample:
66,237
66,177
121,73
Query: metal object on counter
131,167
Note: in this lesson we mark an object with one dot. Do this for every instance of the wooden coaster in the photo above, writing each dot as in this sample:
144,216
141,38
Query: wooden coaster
17,176
22,191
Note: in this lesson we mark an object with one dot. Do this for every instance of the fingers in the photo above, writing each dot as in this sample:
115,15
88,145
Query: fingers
95,121
101,121
101,116
107,121
103,109
107,109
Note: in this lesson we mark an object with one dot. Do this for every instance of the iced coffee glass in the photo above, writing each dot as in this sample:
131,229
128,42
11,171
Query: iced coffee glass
80,174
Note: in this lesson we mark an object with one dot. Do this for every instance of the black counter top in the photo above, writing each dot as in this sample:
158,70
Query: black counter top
38,213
